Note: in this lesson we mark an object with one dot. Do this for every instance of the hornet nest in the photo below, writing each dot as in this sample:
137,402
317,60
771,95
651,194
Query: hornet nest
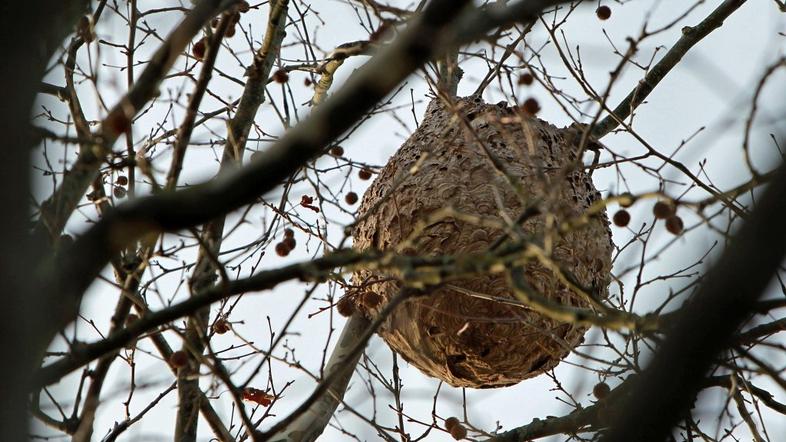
456,333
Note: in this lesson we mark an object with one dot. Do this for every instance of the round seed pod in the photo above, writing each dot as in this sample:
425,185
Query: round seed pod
345,307
458,432
351,198
282,249
603,12
221,326
456,333
451,422
526,79
364,174
531,106
601,390
178,359
621,218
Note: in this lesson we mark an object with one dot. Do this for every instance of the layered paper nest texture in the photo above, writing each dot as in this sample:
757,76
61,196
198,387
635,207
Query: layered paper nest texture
456,333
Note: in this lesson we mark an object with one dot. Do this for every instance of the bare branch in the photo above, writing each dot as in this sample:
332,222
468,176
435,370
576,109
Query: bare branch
690,37
705,325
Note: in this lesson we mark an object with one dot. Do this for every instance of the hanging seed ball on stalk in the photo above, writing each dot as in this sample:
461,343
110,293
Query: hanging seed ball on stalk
281,76
531,106
282,249
458,432
674,225
221,326
601,390
345,307
603,12
351,198
451,422
466,340
178,359
526,79
621,218
119,192
663,210
364,174
199,48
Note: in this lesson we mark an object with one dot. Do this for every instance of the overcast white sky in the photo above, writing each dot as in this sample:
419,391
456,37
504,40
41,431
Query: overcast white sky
711,88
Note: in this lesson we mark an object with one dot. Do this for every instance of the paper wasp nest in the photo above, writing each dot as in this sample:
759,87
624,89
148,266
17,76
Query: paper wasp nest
451,334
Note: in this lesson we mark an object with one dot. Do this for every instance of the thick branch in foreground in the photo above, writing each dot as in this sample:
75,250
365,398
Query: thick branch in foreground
706,324
28,38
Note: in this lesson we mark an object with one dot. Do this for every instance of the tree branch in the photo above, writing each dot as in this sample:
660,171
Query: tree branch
172,211
56,210
706,324
189,393
690,36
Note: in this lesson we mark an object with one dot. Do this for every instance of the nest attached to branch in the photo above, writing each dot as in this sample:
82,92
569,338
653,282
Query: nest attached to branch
452,333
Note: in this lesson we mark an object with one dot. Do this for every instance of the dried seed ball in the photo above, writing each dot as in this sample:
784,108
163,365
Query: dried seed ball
337,151
601,390
85,29
243,6
290,242
662,210
119,192
531,106
674,224
230,31
122,180
451,422
526,79
289,233
280,76
198,50
235,17
282,249
351,198
458,432
118,122
364,174
621,218
603,12
371,299
178,359
221,326
345,307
